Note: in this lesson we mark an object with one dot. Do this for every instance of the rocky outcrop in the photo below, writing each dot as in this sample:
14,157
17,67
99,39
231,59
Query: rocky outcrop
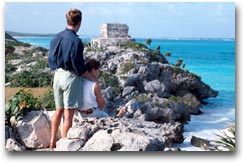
164,92
8,37
95,134
115,134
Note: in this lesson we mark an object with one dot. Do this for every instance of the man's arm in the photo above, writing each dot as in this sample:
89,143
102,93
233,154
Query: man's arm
100,100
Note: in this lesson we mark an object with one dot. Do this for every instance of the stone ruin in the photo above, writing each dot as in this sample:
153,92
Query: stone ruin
112,35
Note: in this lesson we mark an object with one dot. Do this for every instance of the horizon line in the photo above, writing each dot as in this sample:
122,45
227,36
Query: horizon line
96,36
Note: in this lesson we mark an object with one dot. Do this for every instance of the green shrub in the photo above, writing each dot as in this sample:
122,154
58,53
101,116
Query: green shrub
174,98
184,65
9,69
167,54
108,79
158,48
148,41
177,69
21,103
11,56
41,64
9,49
123,77
156,104
134,45
48,101
142,98
17,43
127,66
156,56
31,79
166,105
179,62
196,76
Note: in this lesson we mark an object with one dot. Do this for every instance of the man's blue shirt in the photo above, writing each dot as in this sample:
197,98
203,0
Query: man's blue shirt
66,51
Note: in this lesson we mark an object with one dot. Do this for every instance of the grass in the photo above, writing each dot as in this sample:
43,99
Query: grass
127,66
37,92
227,139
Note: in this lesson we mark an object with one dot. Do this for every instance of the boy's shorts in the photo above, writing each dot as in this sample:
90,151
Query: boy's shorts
67,89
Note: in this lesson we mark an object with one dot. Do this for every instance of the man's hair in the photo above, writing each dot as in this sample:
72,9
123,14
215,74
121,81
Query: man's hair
92,64
73,16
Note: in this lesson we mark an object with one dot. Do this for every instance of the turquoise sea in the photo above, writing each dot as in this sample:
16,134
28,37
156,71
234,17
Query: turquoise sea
213,60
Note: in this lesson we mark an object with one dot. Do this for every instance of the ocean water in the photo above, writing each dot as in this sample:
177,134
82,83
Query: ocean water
214,61
42,41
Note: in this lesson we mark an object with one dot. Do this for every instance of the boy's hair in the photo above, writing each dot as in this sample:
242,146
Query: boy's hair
92,64
73,16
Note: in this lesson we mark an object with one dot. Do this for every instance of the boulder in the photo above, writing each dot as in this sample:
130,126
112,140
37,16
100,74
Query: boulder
136,81
199,142
176,79
132,106
34,130
13,145
155,86
164,110
150,72
108,93
66,144
127,90
193,103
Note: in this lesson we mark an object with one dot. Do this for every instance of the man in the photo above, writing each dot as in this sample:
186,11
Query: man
66,58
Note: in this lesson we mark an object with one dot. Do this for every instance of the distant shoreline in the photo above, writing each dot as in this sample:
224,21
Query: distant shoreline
19,34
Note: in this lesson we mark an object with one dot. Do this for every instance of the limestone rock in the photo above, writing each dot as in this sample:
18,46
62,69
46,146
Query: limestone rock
34,130
118,140
115,134
156,87
13,145
65,144
127,90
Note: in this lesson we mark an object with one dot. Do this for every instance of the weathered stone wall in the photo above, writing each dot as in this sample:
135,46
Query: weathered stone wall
112,35
114,30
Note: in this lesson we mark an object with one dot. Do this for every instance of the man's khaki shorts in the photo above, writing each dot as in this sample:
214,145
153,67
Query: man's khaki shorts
67,88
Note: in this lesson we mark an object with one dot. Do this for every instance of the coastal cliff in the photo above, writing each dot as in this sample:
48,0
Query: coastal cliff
159,97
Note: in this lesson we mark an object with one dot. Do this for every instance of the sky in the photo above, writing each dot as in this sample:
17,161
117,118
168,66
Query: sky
145,19
210,31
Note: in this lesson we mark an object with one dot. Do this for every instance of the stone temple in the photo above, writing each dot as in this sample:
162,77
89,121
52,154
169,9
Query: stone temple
112,35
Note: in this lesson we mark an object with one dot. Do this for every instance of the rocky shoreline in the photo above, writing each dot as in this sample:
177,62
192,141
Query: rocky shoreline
159,97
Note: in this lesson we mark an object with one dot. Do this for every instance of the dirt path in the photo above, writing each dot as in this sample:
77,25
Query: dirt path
37,92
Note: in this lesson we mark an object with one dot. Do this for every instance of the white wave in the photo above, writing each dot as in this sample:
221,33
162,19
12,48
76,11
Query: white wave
227,39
